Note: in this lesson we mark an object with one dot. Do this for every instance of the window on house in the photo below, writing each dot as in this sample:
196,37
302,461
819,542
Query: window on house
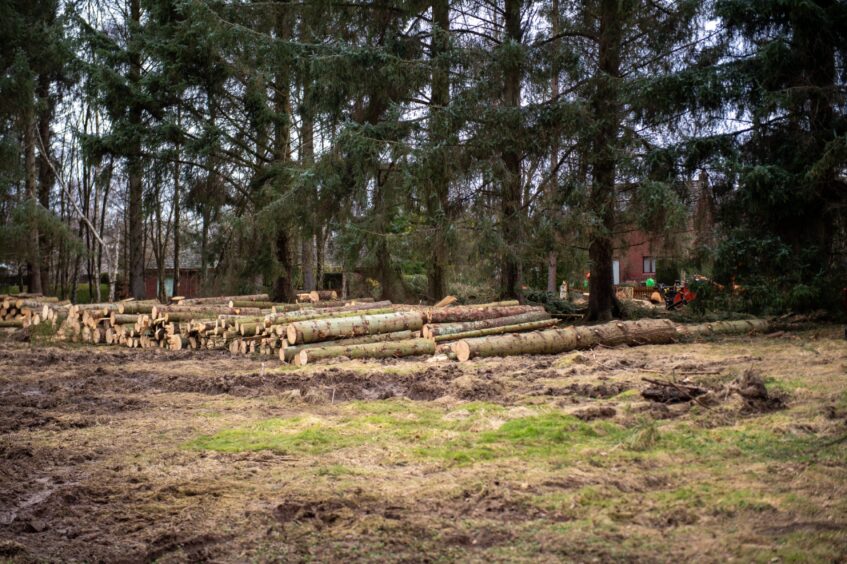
649,265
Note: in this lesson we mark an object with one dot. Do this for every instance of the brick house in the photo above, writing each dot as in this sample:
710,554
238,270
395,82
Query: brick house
639,253
189,275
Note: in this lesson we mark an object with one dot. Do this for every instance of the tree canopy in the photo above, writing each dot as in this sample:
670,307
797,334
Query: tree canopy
478,147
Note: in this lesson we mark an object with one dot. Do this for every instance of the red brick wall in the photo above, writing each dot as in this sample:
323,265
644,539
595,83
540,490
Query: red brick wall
639,245
189,283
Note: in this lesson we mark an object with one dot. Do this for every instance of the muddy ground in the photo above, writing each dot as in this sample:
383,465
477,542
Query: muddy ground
111,454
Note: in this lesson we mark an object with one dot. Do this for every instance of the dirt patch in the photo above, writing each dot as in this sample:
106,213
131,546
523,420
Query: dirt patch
94,464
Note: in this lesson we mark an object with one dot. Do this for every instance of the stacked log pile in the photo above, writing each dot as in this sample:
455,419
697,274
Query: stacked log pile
25,310
320,326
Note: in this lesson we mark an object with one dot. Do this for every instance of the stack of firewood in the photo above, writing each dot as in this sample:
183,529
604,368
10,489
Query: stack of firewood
25,310
320,326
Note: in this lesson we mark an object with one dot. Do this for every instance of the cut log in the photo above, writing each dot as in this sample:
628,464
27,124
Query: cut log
496,304
434,330
354,326
318,295
520,328
288,353
247,303
446,301
724,328
306,314
122,318
470,313
224,300
388,349
552,341
204,310
145,306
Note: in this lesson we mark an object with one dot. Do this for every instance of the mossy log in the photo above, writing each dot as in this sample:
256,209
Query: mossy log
470,313
552,341
519,328
287,353
436,329
387,349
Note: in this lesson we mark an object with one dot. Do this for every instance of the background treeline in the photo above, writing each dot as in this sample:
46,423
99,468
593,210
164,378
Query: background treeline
428,146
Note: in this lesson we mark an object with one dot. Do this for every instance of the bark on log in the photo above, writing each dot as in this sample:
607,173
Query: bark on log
724,328
496,304
287,353
388,349
306,314
552,341
470,313
137,307
248,303
337,328
204,310
434,330
520,328
318,295
224,300
123,318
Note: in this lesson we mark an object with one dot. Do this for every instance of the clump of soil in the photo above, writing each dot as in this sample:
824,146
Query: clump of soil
599,412
751,387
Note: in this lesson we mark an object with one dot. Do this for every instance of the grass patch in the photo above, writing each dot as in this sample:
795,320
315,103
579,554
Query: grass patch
479,432
285,436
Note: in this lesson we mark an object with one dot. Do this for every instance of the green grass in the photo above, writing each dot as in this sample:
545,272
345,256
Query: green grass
480,432
284,436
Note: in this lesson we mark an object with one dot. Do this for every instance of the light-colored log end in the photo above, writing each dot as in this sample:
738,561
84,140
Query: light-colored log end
462,350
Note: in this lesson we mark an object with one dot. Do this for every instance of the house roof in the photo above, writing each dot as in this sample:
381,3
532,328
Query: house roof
189,259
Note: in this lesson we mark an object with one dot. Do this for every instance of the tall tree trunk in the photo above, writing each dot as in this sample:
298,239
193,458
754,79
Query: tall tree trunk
134,163
34,242
511,224
308,255
284,287
45,171
438,200
320,245
602,304
552,185
204,244
307,157
177,188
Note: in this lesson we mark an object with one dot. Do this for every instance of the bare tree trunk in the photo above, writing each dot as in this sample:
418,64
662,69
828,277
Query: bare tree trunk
177,188
320,246
34,243
552,185
134,165
307,242
438,200
511,224
602,305
45,173
284,287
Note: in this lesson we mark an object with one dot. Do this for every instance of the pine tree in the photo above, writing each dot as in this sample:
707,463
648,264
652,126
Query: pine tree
784,218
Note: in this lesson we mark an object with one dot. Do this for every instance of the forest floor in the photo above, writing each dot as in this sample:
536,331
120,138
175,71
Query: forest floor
112,454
